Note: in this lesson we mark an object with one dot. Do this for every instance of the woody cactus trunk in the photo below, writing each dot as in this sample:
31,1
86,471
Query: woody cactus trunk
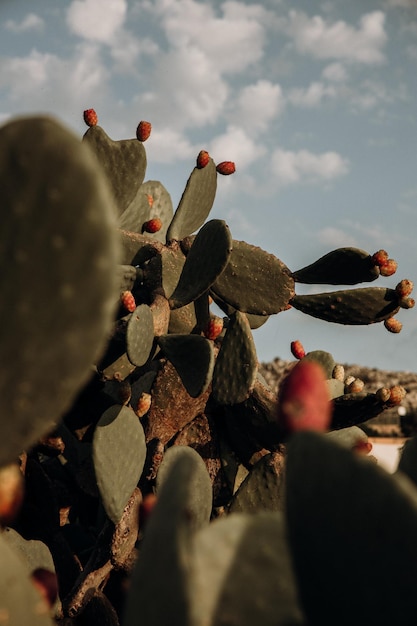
142,453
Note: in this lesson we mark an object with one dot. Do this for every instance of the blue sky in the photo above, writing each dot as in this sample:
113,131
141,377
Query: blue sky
314,101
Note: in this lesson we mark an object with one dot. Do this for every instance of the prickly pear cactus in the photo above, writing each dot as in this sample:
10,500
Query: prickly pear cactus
139,416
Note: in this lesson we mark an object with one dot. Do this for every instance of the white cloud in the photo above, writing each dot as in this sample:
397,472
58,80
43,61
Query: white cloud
338,40
184,90
235,145
335,72
312,96
168,146
306,167
232,42
257,105
31,21
96,20
42,77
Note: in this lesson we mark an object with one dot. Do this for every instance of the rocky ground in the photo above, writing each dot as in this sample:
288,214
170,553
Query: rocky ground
390,423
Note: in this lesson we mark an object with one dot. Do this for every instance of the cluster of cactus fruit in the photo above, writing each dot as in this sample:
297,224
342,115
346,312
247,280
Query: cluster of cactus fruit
148,474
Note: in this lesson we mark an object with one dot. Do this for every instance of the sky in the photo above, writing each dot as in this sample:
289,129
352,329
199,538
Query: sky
314,101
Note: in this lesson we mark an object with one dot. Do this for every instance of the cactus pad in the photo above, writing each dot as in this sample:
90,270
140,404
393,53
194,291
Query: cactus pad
193,358
254,281
344,266
119,453
60,249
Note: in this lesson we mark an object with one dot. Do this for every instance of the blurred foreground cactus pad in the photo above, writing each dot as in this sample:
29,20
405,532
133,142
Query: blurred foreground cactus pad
148,473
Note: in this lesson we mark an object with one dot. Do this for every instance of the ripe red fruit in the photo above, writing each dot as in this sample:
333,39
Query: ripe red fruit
152,225
214,327
146,507
362,447
388,268
297,349
380,257
393,325
90,117
150,199
202,159
128,301
46,583
144,404
226,168
404,287
303,400
11,492
143,130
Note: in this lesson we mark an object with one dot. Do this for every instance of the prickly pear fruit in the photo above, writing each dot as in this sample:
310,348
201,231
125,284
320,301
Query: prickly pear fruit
202,159
152,226
303,400
143,130
404,287
90,117
214,327
388,268
393,325
226,168
128,301
297,349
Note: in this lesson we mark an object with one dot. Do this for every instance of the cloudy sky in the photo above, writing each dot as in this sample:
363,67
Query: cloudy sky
314,101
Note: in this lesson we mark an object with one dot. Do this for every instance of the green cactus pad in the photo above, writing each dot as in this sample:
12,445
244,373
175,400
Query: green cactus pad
347,437
20,602
182,320
163,570
351,528
119,453
254,281
242,573
136,249
408,459
262,489
325,359
60,249
255,321
355,408
34,553
204,263
193,358
140,211
366,305
336,388
140,335
344,266
236,366
126,276
195,203
123,162
164,269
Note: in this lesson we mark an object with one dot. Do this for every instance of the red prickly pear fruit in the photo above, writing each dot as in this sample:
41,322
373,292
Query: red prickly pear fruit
380,257
297,349
404,287
393,325
407,303
144,404
146,507
388,268
46,583
128,301
226,168
90,117
214,328
338,372
303,401
362,447
11,492
143,130
355,386
396,395
150,199
202,159
152,225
